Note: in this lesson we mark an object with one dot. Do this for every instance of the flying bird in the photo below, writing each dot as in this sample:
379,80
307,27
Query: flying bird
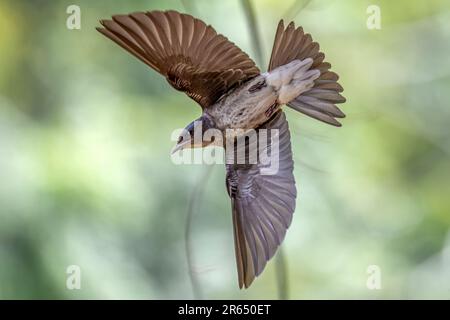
234,94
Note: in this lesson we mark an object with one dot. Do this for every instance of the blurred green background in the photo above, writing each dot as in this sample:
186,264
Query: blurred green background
86,177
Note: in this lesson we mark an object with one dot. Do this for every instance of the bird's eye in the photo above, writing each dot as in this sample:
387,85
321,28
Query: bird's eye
180,139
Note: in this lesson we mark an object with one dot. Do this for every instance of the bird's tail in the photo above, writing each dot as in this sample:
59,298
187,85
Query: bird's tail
316,90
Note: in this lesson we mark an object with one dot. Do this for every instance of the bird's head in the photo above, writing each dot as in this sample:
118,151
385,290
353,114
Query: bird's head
198,134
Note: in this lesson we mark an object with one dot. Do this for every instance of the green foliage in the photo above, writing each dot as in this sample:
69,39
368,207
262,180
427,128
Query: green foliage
86,177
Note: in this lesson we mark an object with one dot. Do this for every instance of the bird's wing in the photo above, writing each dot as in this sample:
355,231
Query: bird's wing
191,55
320,101
262,197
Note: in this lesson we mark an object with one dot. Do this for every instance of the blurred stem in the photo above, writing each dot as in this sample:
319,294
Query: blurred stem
189,7
196,195
293,11
280,264
253,27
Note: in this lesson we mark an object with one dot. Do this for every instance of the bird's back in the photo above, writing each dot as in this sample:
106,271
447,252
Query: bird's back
243,107
256,101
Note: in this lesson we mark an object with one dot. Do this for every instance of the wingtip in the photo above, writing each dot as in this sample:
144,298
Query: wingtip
120,18
104,22
339,97
335,123
338,114
245,285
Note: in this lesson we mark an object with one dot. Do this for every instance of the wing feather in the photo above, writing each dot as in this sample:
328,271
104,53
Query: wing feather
190,54
262,205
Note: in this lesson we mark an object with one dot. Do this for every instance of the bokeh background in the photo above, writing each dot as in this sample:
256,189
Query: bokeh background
86,177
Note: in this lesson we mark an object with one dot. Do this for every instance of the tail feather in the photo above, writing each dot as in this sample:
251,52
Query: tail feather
317,100
292,79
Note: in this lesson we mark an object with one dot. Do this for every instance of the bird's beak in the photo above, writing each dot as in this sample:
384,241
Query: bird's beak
180,146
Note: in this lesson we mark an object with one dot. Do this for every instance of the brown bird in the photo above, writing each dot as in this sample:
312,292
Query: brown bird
234,94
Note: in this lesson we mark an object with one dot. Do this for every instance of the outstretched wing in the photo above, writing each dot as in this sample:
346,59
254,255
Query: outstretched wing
262,197
191,55
320,101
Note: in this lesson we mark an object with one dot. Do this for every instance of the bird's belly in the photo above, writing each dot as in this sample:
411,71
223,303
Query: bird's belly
251,117
245,110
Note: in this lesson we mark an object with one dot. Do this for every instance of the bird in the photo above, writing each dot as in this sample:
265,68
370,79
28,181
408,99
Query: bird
236,96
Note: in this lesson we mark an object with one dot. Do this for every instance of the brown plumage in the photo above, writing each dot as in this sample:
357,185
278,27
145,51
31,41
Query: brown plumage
234,94
262,204
191,55
319,102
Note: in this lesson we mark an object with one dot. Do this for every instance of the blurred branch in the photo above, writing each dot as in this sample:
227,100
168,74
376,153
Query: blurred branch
196,195
310,166
253,27
280,264
189,7
294,10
